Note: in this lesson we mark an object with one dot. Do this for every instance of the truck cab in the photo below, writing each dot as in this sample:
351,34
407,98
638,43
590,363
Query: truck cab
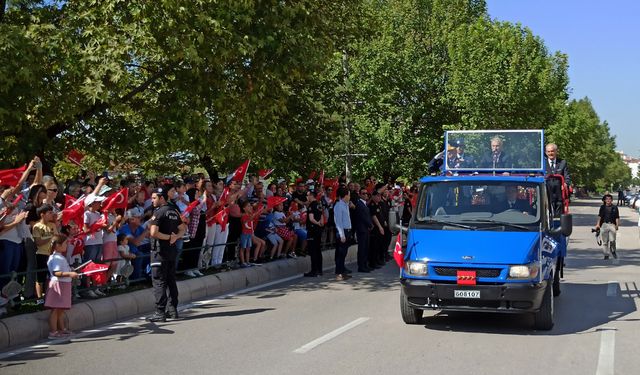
485,234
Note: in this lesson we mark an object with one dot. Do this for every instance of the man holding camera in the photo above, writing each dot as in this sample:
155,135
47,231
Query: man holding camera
608,223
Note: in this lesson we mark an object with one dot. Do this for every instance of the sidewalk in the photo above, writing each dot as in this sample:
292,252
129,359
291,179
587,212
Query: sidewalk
31,328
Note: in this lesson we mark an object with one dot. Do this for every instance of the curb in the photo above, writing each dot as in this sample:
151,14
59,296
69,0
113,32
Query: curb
31,328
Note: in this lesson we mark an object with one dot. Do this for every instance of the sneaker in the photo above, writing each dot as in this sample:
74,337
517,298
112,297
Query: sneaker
66,332
55,335
606,257
156,317
190,274
291,255
99,293
613,252
40,302
198,273
172,313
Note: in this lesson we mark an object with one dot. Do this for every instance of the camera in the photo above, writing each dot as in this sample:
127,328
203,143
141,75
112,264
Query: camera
596,231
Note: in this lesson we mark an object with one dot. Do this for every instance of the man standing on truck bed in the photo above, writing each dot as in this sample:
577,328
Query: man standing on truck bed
497,158
608,222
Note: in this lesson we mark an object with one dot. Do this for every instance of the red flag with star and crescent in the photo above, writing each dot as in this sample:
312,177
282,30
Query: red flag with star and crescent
264,173
398,254
10,177
73,211
241,171
274,201
75,157
117,200
222,218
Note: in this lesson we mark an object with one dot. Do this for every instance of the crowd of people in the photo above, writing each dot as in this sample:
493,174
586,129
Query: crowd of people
229,223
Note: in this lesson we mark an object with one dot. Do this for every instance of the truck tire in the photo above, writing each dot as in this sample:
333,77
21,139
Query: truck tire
543,318
556,280
409,314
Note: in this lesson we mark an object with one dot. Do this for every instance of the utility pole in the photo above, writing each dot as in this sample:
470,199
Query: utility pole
347,115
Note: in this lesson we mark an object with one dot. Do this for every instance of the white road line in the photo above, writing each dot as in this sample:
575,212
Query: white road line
607,351
612,289
180,308
305,348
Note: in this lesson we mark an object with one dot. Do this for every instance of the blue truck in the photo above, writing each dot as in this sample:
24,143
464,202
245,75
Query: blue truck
489,233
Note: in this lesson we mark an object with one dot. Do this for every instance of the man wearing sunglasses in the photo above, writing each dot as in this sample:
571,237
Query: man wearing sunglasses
362,224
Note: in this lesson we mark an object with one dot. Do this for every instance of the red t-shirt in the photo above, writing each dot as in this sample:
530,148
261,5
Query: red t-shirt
247,224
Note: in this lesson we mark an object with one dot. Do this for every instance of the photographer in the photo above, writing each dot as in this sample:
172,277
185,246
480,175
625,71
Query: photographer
608,223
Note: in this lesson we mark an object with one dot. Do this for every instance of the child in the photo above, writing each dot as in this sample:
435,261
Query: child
246,237
276,241
123,251
43,231
298,217
59,292
280,220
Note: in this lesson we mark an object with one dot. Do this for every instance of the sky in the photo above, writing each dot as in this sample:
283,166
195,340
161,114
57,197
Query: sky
602,41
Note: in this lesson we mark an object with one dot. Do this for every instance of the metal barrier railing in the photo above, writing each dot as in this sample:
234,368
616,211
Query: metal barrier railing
14,276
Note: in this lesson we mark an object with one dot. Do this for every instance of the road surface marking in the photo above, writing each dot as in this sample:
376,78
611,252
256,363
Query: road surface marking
612,289
607,351
307,347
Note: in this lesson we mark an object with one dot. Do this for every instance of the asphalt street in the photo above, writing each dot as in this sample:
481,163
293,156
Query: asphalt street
322,326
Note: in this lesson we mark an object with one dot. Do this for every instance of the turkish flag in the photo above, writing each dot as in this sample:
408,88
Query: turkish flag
414,201
240,172
264,173
117,200
73,211
274,201
398,254
191,206
10,177
222,218
321,178
97,272
224,195
99,225
68,200
466,277
334,193
78,244
75,157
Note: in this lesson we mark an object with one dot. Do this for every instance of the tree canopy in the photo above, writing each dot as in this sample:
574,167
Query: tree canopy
292,85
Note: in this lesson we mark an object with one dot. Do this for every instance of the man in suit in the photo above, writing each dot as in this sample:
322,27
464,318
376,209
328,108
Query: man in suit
362,224
554,165
514,203
497,158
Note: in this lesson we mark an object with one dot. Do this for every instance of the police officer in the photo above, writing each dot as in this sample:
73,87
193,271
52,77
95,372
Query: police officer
165,228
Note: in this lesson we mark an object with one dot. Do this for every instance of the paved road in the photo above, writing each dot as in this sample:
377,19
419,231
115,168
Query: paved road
321,326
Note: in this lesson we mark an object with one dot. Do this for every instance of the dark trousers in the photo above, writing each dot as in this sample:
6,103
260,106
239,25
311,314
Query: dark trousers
191,252
141,262
341,251
163,278
363,248
376,247
315,236
235,229
388,236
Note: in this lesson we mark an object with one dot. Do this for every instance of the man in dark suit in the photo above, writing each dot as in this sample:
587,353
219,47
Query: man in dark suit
514,203
497,158
554,165
362,224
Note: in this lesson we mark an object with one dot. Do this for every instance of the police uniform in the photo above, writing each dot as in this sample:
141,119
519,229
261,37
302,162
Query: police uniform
163,257
376,241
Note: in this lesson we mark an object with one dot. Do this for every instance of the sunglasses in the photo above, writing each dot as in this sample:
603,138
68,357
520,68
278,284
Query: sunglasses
55,190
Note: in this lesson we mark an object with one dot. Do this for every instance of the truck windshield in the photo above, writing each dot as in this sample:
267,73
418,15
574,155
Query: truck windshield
507,205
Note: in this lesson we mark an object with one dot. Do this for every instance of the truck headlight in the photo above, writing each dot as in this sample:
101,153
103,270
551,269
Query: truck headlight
416,268
527,271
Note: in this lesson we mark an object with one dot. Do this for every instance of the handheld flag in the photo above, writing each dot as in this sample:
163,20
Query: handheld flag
224,195
74,211
264,173
274,201
11,177
321,178
75,157
117,200
222,218
97,272
398,254
240,172
191,207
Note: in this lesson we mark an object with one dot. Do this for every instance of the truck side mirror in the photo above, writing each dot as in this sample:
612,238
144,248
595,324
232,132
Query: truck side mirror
566,226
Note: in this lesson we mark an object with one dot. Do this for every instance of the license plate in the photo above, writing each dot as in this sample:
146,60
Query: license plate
466,294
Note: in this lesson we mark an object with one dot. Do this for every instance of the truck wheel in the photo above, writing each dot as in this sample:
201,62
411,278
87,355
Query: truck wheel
409,314
544,317
556,280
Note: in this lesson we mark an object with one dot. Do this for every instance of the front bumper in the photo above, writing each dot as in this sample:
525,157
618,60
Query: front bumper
507,298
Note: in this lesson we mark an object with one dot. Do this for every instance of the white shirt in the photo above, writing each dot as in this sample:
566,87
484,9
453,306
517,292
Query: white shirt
58,263
96,237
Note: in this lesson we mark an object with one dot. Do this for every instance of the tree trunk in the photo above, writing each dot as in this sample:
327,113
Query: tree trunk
207,163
